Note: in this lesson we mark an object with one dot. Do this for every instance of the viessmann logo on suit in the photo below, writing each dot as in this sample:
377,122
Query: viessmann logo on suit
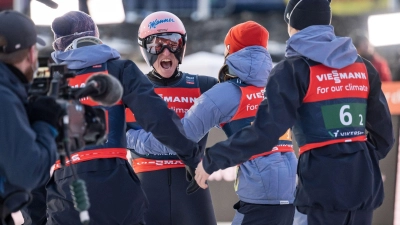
341,96
327,83
254,98
179,99
338,78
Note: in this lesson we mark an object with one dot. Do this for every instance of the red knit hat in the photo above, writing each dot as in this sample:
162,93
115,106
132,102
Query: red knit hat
246,34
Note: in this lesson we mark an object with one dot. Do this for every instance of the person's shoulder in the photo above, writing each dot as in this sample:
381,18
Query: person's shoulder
9,94
221,90
123,65
207,79
199,75
205,82
290,63
295,59
8,81
121,62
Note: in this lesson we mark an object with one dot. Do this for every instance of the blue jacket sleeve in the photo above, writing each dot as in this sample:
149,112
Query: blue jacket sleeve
153,115
145,143
27,152
285,90
379,122
275,115
208,111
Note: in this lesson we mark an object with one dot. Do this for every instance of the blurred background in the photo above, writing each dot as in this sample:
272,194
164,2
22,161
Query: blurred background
208,21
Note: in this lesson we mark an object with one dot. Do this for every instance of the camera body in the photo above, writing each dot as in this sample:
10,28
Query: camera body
81,125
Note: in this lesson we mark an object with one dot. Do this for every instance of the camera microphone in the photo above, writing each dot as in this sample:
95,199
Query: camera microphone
102,88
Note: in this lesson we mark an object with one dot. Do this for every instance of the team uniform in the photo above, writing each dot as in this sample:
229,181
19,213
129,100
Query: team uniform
265,184
115,194
163,175
330,98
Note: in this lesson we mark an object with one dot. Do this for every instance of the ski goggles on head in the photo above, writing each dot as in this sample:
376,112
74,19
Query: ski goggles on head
83,41
155,44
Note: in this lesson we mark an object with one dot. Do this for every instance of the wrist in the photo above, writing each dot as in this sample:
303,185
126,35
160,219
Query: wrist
209,167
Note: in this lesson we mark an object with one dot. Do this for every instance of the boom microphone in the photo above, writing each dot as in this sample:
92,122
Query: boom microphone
102,88
49,3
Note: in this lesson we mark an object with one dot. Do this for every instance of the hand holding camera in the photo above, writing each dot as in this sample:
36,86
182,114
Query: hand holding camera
46,109
73,107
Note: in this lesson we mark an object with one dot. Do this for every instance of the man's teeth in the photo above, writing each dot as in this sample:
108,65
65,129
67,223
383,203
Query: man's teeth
166,60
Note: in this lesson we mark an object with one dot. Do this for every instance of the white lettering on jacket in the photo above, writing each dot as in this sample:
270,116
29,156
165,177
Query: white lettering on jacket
178,99
337,77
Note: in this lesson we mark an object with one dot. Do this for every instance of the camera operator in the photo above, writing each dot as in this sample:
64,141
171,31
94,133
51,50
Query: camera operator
28,130
115,193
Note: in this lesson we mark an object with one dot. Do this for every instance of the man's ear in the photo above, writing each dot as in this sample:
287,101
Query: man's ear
32,53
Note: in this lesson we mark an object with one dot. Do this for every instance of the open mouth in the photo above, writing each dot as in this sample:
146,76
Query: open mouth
166,63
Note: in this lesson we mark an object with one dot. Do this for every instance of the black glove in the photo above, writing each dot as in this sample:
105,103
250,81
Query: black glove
12,203
45,109
193,186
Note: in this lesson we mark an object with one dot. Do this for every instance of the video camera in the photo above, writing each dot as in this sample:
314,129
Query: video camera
81,125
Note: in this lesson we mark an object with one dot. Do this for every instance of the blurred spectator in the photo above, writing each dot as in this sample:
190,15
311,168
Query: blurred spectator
367,51
131,10
396,74
6,4
155,5
136,10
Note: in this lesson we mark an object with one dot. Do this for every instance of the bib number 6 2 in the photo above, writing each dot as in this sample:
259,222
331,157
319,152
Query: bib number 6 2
346,118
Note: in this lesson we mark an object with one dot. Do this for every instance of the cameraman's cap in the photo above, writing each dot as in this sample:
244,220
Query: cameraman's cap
244,35
17,32
300,14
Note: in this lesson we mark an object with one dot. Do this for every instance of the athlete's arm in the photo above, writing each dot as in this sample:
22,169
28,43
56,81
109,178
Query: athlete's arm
285,90
152,113
379,121
209,110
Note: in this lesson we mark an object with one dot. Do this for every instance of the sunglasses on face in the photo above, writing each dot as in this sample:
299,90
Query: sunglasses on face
155,44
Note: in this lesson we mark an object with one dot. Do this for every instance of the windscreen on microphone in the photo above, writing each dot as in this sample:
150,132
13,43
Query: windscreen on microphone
109,89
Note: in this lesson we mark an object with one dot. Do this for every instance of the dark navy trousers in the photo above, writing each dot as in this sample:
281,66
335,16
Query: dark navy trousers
316,216
168,202
258,214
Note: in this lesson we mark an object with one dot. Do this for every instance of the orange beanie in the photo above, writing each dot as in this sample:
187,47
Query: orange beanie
246,34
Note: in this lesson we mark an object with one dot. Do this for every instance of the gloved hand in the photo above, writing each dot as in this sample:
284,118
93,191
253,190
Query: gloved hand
45,109
12,203
193,186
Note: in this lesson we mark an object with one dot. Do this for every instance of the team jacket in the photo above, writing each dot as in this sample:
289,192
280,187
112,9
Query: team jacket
151,111
180,92
254,176
219,105
334,108
27,150
336,176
